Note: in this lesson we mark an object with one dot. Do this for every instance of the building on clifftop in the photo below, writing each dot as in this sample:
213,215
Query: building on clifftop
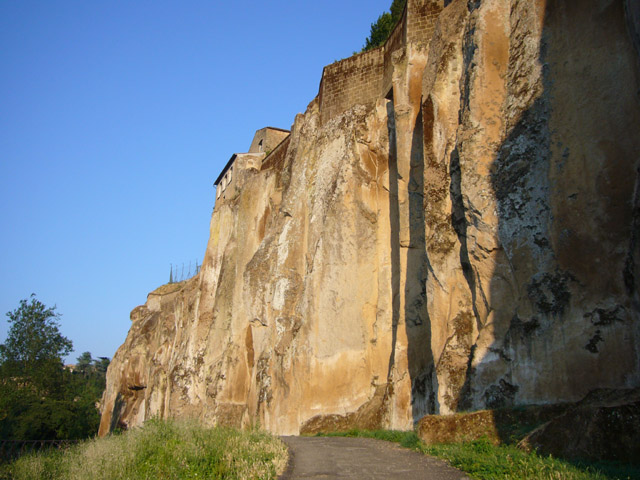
264,142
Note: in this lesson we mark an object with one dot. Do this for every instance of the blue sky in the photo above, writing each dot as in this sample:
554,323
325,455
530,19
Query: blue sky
115,119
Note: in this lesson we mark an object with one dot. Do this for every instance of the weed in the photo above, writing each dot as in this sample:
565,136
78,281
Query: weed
160,449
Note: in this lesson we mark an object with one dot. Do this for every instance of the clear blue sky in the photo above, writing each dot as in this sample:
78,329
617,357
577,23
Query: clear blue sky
115,119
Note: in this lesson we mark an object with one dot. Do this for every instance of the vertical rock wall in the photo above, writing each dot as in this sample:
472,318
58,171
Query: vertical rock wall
469,241
532,153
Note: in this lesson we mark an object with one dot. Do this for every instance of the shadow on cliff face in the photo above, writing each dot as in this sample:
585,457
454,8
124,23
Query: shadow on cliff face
416,316
394,220
632,265
564,181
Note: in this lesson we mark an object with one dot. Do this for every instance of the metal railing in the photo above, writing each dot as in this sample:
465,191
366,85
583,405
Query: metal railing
177,274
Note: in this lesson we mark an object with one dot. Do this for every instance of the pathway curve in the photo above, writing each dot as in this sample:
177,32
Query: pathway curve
361,458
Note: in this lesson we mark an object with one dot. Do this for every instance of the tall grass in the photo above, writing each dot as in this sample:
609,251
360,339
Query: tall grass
161,449
484,460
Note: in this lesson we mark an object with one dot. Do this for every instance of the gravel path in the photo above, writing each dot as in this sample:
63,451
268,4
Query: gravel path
361,458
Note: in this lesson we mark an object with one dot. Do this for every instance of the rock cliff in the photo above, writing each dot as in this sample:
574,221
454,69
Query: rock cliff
467,236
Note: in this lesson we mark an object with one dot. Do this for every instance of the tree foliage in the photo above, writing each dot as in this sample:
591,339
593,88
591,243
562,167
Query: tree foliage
382,28
33,337
83,363
39,398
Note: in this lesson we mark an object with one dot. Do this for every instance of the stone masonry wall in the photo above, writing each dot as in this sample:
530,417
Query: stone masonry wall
396,41
421,19
354,80
266,139
364,77
277,156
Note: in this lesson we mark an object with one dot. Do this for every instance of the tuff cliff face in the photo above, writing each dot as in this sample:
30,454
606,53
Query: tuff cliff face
459,230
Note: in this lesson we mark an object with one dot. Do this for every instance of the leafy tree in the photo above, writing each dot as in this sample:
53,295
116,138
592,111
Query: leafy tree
101,364
382,28
84,363
397,6
33,337
39,398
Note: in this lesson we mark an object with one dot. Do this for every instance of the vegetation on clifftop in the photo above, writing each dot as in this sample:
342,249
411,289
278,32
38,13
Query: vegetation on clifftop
382,28
160,449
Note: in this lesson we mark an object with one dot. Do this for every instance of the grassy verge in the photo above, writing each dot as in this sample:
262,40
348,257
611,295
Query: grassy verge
161,449
483,460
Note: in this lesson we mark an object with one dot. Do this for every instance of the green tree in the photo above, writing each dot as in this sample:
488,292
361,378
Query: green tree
33,338
101,365
382,28
84,363
32,373
397,6
39,398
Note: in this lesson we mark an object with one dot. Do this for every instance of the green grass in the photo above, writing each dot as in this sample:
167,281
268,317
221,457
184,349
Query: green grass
483,460
161,449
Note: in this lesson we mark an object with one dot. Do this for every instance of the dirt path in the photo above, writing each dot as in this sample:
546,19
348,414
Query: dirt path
360,458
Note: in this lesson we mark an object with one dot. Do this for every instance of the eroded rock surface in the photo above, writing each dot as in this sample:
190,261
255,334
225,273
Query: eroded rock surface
468,239
603,426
